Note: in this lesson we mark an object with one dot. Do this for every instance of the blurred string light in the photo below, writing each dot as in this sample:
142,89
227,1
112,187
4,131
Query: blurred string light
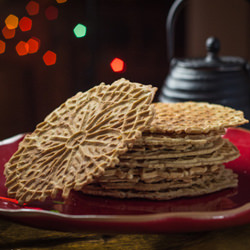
51,13
25,24
34,45
32,8
2,47
11,21
117,65
80,30
22,48
61,1
49,58
7,33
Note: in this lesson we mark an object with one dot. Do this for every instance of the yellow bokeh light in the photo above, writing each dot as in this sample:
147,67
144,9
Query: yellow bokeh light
11,22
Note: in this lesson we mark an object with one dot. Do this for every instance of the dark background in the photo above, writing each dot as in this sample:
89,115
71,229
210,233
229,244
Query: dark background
133,30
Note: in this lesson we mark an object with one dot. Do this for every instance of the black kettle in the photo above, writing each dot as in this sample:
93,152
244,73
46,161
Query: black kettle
222,80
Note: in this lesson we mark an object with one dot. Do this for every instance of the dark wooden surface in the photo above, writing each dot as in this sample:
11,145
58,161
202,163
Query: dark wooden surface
15,236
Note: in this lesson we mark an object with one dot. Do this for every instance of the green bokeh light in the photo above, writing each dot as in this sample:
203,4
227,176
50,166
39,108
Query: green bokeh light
80,30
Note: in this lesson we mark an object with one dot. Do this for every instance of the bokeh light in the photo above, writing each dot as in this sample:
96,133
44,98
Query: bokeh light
11,22
117,65
7,33
2,47
51,13
49,58
80,30
32,8
34,45
22,48
61,1
25,24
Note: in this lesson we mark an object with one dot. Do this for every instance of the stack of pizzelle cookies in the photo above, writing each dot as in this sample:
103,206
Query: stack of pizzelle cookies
112,141
180,154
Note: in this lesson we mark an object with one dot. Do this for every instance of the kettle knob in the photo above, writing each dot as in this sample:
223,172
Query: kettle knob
213,47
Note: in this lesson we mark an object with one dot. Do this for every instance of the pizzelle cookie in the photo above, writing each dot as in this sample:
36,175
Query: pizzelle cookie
128,175
225,180
164,184
166,153
168,139
226,153
194,118
77,141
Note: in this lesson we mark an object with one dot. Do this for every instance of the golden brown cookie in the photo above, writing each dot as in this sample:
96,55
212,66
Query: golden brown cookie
194,118
78,140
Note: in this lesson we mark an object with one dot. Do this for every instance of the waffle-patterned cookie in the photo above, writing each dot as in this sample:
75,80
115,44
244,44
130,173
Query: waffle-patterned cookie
78,140
163,184
227,179
226,153
168,139
164,153
183,147
124,174
194,117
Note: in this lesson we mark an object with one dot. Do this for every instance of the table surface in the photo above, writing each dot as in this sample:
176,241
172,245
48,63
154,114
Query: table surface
15,236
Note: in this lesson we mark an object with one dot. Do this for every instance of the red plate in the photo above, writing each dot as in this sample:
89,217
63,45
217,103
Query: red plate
84,213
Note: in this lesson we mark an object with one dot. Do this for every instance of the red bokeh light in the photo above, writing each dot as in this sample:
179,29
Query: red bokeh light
51,13
2,47
32,8
25,24
7,33
34,45
61,1
22,48
117,65
49,58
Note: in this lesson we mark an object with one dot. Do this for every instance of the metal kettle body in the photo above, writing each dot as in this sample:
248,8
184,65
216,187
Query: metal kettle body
214,79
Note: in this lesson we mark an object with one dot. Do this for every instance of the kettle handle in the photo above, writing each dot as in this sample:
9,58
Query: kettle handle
170,22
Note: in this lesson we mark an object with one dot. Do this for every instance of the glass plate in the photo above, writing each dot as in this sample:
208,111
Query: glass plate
83,213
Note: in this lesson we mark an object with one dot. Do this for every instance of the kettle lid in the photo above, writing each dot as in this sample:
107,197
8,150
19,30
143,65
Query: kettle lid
212,61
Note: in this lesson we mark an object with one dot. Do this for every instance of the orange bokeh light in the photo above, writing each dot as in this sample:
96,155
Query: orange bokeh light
49,58
34,45
117,65
22,48
25,24
32,8
7,33
11,22
2,47
51,13
61,1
